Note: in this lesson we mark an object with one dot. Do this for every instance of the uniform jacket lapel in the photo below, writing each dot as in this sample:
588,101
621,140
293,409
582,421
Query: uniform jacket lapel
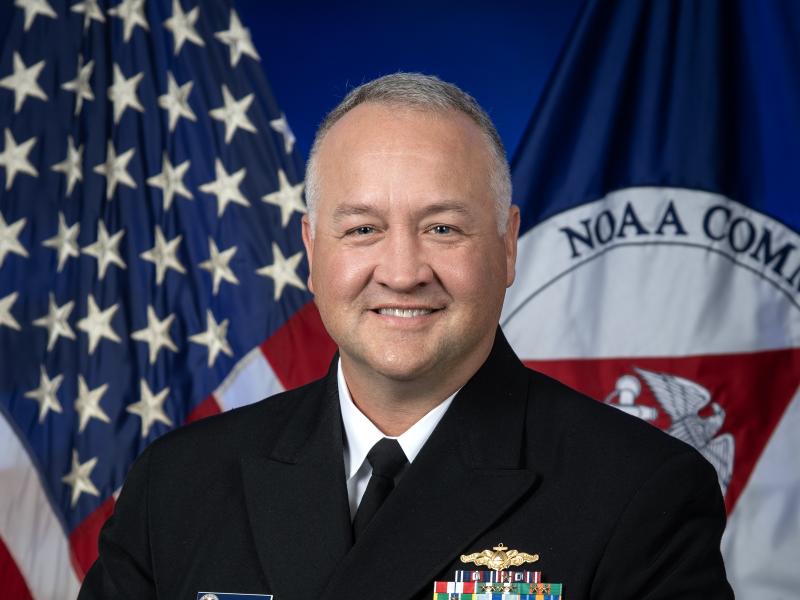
466,477
297,499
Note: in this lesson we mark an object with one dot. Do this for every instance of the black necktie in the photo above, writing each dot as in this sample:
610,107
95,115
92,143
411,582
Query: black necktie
387,460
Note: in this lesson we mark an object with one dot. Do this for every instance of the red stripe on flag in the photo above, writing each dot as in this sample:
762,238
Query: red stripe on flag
14,585
753,389
301,350
206,408
83,540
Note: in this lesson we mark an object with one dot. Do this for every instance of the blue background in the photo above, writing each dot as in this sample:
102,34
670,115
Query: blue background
500,52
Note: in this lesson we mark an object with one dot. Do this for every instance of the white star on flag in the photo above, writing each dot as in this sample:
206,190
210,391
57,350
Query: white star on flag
214,338
122,93
156,334
88,404
14,158
288,197
162,255
56,321
238,39
79,478
97,324
281,125
181,25
90,10
71,165
6,318
33,8
132,13
81,85
150,408
234,114
23,82
65,242
226,187
45,394
9,238
176,101
170,181
115,169
105,250
283,271
218,265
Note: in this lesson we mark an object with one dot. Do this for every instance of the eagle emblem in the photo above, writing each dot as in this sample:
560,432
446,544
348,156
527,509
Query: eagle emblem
499,558
682,400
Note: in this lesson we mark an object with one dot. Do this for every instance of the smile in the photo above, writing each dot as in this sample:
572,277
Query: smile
405,313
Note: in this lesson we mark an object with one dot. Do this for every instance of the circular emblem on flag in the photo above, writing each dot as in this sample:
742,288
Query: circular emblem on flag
680,307
209,597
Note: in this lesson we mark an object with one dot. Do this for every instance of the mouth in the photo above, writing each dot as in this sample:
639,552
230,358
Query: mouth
405,312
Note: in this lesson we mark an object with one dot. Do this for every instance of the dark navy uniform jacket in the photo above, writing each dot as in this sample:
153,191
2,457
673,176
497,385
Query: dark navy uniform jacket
254,501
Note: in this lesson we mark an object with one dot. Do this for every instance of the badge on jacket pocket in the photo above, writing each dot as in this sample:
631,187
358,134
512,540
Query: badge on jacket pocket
231,596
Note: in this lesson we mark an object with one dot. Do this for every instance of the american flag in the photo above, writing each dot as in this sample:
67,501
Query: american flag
151,267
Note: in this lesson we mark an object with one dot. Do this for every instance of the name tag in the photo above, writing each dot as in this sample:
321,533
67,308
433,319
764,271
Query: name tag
231,596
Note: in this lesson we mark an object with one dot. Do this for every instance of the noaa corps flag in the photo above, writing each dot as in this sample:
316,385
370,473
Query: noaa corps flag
659,264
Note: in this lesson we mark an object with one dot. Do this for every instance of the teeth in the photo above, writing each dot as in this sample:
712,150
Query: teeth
405,312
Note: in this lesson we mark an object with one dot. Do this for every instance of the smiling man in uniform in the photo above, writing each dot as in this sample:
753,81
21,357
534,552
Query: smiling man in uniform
428,439
412,243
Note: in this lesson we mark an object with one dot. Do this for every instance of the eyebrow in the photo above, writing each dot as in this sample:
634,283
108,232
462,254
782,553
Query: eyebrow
354,209
347,210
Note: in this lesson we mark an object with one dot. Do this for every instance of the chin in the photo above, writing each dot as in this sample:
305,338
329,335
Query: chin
409,359
407,365
402,370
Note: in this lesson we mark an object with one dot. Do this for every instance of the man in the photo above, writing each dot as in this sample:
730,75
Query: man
428,439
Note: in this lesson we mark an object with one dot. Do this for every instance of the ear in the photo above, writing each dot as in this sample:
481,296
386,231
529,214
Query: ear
308,242
511,235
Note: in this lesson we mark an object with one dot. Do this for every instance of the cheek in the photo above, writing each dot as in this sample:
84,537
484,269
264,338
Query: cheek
468,276
339,275
475,277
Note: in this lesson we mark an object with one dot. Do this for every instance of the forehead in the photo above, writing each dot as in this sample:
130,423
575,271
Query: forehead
389,153
375,126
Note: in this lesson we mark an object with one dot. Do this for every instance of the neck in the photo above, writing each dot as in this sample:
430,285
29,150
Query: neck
395,405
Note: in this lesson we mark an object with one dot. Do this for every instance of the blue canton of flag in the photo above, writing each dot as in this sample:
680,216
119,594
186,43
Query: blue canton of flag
150,200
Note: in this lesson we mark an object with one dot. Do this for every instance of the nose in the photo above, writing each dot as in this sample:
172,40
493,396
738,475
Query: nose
403,263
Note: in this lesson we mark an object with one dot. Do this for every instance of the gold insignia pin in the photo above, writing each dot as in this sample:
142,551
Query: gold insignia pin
499,558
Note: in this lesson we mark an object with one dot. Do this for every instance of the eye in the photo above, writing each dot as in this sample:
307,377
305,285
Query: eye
441,229
361,230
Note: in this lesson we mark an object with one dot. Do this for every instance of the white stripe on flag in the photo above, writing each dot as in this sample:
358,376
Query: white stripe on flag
762,541
28,526
252,379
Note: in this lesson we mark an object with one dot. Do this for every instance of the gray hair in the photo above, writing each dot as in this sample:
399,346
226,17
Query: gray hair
421,92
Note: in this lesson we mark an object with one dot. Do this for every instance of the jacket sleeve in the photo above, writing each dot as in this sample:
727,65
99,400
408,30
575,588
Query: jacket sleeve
123,568
666,543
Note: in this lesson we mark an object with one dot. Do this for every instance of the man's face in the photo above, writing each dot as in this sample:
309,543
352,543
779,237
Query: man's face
407,265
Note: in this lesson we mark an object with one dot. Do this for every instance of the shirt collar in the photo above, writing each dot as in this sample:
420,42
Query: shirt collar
361,434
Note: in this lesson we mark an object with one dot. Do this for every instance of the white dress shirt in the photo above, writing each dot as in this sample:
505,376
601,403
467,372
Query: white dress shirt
360,435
